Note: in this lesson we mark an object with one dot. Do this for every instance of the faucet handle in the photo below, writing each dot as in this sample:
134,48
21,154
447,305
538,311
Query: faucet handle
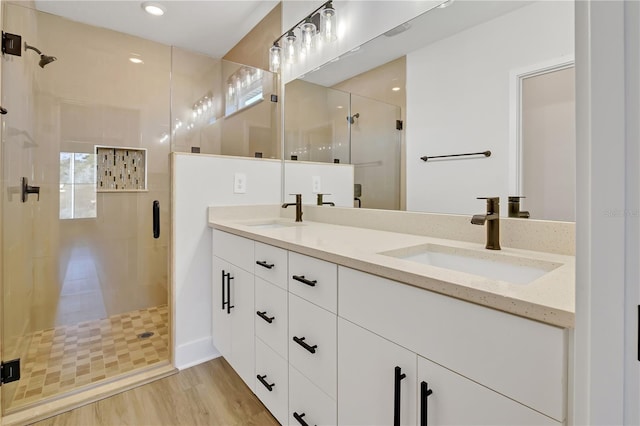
515,198
489,198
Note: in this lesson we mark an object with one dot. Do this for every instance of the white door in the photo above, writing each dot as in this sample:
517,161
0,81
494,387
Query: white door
369,367
447,398
242,313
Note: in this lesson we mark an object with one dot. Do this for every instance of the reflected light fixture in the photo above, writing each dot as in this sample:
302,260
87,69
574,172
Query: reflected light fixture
152,8
395,89
317,27
136,60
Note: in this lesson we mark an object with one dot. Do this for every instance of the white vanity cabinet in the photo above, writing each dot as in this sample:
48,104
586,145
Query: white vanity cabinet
233,303
522,363
323,344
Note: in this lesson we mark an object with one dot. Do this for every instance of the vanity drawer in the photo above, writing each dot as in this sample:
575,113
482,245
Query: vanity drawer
313,343
514,356
308,401
271,264
315,280
271,315
234,249
272,385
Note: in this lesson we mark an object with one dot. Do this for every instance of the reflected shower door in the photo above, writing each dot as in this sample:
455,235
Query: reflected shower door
375,152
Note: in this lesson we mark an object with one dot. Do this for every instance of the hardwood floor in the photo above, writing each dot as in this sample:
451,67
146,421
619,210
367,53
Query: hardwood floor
207,394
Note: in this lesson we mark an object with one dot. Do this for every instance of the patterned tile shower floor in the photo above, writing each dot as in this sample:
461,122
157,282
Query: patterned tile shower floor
68,357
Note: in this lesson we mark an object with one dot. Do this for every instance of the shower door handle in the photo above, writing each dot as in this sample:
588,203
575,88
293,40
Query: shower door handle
156,219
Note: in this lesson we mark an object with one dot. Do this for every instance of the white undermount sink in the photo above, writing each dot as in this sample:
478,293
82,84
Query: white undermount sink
489,264
272,224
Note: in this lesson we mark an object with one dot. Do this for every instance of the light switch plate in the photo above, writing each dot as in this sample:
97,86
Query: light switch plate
316,185
240,183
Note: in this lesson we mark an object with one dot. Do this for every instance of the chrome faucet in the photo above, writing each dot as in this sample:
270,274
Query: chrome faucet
514,207
492,217
320,202
298,205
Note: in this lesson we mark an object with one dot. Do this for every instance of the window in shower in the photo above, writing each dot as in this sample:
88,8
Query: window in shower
77,185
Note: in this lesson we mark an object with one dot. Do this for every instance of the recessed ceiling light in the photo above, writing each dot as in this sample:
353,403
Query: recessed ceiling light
445,4
154,9
395,89
136,60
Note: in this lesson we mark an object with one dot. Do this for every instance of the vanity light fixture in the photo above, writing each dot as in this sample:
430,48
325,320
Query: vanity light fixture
319,25
152,8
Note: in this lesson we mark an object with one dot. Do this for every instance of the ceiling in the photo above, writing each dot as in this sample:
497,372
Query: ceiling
211,27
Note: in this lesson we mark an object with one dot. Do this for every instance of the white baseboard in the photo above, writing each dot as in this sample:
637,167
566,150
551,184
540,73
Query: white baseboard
194,353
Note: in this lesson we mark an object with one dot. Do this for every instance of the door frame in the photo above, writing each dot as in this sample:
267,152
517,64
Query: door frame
516,78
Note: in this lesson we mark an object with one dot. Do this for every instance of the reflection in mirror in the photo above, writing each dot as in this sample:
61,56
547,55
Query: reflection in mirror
464,93
221,107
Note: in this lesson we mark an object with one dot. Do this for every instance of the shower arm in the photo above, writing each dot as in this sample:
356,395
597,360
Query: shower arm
26,47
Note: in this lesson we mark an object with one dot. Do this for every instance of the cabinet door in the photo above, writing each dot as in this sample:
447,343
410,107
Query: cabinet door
221,326
456,400
242,315
367,366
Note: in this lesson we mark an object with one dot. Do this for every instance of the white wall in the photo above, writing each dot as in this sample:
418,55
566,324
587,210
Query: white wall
335,179
358,22
200,181
607,229
442,118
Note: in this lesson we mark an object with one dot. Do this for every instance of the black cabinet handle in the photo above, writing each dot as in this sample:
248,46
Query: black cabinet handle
229,306
301,342
264,382
264,264
396,395
264,316
156,219
224,302
299,417
303,280
424,401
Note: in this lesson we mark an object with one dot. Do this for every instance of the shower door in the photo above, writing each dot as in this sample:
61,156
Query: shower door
375,152
79,253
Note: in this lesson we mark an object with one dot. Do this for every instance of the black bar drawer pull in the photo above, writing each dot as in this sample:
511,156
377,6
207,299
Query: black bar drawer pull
264,316
264,382
399,375
424,401
303,280
264,264
301,342
229,306
224,302
299,417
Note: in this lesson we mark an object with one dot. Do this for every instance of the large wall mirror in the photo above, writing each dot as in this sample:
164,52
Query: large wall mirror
472,77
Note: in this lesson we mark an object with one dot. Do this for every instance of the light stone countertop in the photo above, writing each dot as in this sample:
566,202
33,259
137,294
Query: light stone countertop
549,299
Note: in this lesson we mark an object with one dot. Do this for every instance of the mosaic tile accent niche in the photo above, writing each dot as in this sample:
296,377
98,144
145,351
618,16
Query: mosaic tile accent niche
121,169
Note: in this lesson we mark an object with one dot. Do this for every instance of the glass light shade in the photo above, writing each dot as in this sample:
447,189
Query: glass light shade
290,48
328,24
307,31
275,59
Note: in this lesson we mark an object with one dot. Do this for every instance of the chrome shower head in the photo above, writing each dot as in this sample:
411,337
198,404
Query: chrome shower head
44,59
